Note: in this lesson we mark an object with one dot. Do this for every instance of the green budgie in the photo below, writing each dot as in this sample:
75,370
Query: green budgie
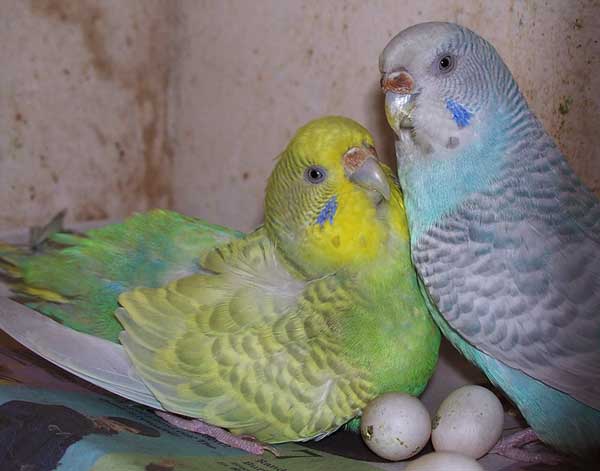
283,334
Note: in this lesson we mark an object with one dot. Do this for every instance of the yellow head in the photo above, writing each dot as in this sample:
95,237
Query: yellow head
330,204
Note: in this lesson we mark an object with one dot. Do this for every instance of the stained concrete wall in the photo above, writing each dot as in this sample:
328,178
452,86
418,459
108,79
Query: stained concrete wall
112,106
84,108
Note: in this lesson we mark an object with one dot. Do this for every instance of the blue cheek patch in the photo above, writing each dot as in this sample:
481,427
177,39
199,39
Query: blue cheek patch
328,212
461,115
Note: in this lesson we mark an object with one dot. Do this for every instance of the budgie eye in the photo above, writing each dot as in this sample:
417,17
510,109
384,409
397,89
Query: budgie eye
446,64
315,174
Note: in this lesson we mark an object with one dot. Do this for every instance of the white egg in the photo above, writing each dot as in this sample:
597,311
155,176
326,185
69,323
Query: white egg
469,421
395,426
444,461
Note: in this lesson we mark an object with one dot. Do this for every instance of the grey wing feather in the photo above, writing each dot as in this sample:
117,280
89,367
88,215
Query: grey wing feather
515,271
93,359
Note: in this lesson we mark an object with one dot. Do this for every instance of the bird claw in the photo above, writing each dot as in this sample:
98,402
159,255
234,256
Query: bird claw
246,443
511,447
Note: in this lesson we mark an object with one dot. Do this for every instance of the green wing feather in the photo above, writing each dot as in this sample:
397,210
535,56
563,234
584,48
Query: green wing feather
78,278
249,347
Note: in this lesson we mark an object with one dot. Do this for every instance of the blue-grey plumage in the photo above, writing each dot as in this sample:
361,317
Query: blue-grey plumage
504,235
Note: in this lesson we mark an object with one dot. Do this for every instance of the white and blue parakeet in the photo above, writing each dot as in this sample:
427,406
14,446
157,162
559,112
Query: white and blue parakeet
504,236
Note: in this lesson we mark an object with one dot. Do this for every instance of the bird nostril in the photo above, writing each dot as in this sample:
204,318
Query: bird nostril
398,82
354,158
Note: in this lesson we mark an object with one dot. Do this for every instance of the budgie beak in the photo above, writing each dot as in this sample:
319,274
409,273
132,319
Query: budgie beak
399,89
363,169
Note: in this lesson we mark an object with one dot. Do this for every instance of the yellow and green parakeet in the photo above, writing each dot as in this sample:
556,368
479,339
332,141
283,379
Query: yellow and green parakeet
283,334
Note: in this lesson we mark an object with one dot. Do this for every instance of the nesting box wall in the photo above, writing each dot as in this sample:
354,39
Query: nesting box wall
83,108
108,106
255,71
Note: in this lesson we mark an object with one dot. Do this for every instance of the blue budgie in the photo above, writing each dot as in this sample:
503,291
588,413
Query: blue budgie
504,236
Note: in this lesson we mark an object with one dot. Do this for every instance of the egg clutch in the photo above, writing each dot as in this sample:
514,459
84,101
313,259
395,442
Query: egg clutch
466,426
